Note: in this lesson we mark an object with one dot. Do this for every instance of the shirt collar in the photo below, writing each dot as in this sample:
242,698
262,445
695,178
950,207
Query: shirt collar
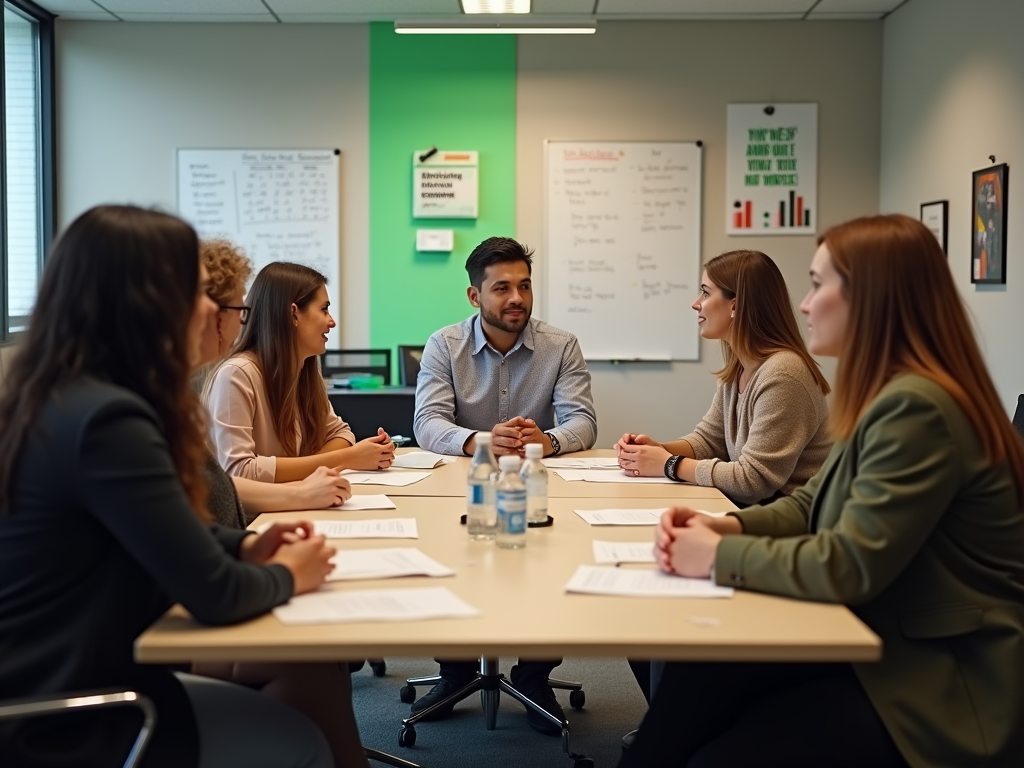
480,341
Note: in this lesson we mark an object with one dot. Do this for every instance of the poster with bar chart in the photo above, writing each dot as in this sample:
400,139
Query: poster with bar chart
771,169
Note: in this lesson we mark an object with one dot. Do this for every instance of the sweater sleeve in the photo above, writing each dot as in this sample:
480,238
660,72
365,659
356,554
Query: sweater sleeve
232,400
127,480
337,427
708,438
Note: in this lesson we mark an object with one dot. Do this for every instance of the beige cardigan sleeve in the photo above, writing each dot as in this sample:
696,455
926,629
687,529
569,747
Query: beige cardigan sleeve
233,399
708,438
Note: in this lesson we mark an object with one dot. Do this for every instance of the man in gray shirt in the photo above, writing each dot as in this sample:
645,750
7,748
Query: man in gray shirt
500,371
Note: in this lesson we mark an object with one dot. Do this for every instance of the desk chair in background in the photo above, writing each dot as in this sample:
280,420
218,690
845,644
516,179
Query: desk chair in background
1018,416
409,357
345,363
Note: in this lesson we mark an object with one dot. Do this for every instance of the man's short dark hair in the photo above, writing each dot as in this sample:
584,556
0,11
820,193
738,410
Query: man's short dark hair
495,250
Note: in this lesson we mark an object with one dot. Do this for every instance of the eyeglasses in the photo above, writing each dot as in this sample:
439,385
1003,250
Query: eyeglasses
243,313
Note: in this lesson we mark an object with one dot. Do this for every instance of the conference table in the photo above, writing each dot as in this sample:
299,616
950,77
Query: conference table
507,586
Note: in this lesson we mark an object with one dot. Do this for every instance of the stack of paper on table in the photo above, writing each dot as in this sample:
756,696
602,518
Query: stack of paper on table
621,516
384,564
392,528
623,552
602,580
409,604
421,460
604,476
383,477
369,501
581,463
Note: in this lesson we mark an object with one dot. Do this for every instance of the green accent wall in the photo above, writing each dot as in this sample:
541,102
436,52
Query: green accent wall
457,92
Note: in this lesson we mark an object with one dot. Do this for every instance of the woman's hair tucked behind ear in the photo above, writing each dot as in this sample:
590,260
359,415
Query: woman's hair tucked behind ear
296,395
764,322
115,303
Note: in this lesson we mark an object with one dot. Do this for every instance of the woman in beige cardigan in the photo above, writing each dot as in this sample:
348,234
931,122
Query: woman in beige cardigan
765,433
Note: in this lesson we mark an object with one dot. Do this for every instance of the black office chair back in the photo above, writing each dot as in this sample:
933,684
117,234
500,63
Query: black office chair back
1018,416
409,364
345,363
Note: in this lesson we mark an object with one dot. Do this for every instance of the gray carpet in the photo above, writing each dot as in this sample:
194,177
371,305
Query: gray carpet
614,706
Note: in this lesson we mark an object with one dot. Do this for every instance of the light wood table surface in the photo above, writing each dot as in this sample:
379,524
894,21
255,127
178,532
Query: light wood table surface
450,480
525,610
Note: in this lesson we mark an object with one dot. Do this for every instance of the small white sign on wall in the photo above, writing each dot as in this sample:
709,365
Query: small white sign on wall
771,169
445,185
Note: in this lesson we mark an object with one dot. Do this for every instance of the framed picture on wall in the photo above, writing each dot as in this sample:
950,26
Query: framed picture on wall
988,224
935,216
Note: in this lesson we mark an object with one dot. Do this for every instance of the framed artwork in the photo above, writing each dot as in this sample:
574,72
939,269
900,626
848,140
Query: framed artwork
935,216
988,224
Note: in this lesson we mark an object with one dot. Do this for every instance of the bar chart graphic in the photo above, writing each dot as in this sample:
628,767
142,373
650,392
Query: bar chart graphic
789,213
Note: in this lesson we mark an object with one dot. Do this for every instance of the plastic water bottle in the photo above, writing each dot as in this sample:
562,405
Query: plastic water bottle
481,515
535,478
511,505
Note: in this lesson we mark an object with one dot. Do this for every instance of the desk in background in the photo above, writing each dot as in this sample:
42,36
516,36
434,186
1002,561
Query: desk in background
366,409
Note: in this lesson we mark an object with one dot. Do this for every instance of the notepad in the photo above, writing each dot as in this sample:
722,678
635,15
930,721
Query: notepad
626,582
621,516
383,477
391,528
369,501
384,564
421,460
604,476
581,463
623,552
409,604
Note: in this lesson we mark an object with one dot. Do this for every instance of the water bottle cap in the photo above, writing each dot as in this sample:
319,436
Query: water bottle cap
483,437
534,451
508,463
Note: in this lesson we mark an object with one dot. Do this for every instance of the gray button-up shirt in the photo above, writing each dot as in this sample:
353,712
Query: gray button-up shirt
465,385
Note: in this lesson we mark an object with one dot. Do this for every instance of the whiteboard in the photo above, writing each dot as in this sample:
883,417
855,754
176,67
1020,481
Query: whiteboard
277,204
622,235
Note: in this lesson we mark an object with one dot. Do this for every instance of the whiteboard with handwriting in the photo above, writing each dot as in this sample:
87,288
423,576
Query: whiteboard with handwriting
622,225
277,204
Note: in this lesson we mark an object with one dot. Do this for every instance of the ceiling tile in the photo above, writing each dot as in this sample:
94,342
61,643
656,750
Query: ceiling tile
374,8
191,7
198,17
85,16
69,6
703,7
541,7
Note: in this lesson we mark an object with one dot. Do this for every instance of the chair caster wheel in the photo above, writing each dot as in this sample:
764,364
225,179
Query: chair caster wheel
379,668
577,699
407,738
583,762
407,694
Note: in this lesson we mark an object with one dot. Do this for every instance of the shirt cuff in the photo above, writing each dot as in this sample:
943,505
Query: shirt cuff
454,442
728,568
266,468
703,472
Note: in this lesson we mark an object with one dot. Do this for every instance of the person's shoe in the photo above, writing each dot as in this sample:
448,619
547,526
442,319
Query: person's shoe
439,692
539,692
628,739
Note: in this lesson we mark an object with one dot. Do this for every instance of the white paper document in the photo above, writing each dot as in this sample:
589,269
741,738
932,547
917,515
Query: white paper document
581,463
383,477
621,516
421,460
369,501
384,564
393,528
612,552
627,582
409,604
604,476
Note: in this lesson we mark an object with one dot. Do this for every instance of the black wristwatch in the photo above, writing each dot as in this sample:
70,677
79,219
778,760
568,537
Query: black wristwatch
670,467
556,447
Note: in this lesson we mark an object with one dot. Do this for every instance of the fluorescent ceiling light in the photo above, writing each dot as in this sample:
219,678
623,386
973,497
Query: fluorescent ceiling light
503,27
495,6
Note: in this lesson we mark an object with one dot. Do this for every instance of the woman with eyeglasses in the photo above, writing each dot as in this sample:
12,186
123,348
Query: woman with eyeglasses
101,396
271,419
915,522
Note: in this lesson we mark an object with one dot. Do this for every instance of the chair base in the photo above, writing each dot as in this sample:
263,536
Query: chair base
384,757
491,683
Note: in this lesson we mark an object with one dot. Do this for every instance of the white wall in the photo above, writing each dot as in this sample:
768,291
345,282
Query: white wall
953,94
673,80
129,95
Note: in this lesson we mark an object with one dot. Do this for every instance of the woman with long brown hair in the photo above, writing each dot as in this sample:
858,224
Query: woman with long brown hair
765,433
103,517
916,522
271,419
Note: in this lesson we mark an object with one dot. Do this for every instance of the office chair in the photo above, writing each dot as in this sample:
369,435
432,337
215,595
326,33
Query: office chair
409,364
490,682
35,707
344,363
1018,416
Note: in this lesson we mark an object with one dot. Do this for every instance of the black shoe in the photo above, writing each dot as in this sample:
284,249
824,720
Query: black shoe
628,739
539,692
439,692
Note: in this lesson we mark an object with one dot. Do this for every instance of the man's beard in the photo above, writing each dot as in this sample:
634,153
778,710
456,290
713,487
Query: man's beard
496,321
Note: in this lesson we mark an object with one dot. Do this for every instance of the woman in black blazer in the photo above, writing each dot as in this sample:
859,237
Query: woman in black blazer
103,521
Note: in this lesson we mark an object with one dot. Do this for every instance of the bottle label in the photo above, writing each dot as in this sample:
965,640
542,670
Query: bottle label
515,522
512,511
475,493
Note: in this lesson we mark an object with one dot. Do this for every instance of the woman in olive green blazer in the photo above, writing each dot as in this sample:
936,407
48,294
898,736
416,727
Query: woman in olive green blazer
915,522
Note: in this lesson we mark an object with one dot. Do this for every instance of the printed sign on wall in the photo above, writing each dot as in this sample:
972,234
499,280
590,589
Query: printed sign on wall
771,169
444,185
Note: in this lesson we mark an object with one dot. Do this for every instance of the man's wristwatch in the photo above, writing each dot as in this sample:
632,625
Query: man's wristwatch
670,467
556,447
